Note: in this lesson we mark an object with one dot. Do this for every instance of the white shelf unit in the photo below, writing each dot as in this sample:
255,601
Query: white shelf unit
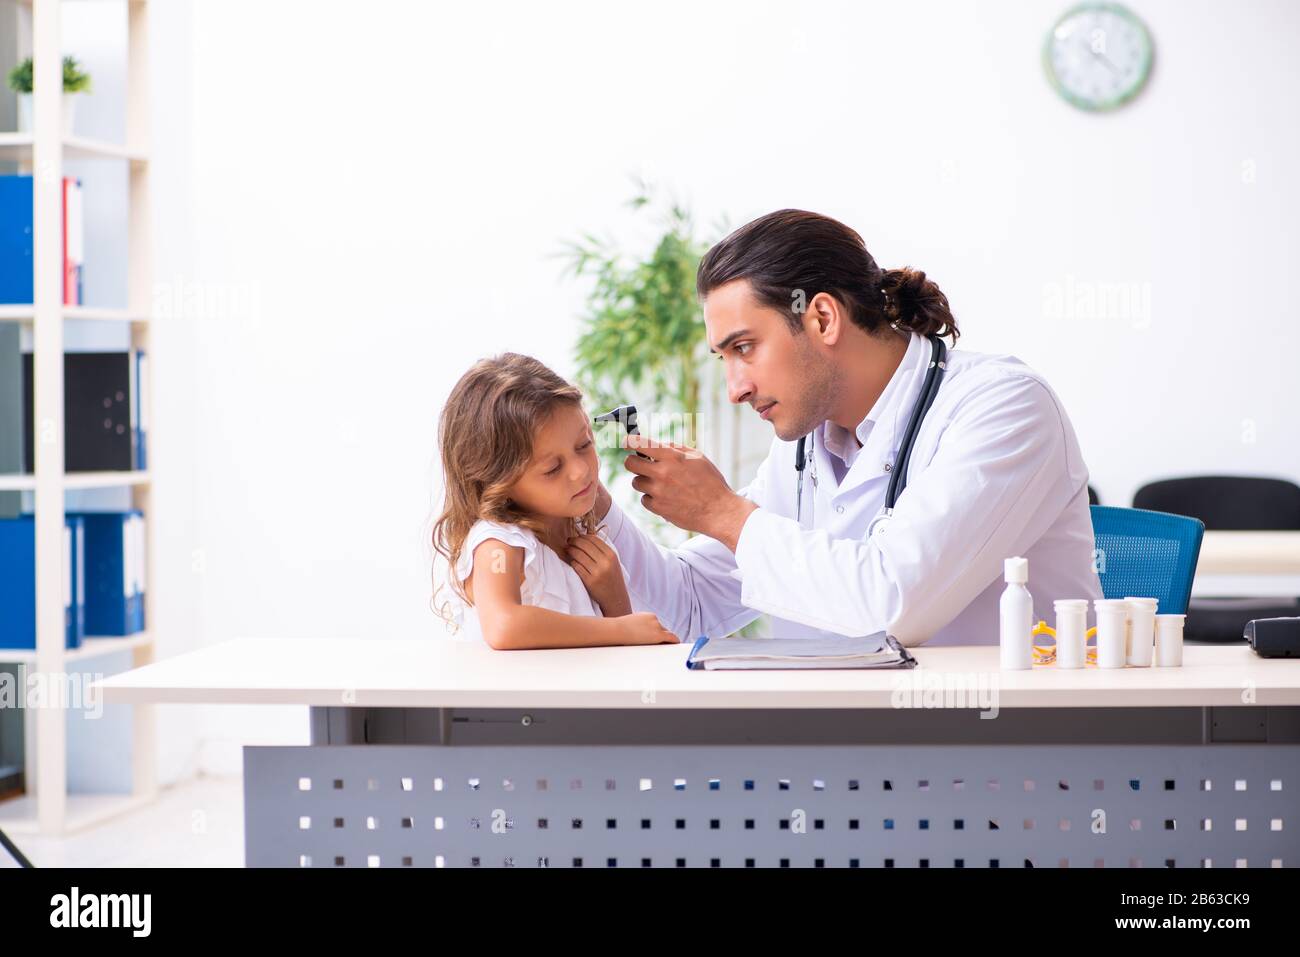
18,146
48,808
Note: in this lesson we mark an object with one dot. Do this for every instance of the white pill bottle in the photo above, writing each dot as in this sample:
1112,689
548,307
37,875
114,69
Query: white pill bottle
1016,616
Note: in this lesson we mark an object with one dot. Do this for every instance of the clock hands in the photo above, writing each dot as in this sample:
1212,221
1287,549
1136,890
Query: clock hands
1098,55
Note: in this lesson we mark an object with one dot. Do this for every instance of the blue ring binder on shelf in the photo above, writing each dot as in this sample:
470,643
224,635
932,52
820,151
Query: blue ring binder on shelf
115,570
18,582
874,651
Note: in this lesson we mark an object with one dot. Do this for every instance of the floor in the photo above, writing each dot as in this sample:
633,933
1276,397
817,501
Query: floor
199,823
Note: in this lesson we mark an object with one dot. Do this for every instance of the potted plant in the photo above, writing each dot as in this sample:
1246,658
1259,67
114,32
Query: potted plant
75,80
643,335
643,338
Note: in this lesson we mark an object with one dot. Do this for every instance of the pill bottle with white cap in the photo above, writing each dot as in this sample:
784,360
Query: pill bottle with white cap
1112,632
1016,613
1169,640
1071,632
1141,629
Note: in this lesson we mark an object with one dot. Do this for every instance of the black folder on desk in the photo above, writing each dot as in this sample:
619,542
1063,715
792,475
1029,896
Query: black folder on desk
749,654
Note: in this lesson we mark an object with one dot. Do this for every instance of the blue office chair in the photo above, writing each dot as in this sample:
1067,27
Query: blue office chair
1144,554
1231,503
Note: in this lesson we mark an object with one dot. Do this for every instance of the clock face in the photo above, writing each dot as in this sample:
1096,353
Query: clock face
1098,56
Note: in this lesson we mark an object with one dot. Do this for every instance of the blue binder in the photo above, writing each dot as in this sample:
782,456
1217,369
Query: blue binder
115,587
75,598
139,409
18,582
15,239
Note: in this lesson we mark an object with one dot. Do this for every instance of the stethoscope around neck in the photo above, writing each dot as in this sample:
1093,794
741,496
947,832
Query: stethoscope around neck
898,475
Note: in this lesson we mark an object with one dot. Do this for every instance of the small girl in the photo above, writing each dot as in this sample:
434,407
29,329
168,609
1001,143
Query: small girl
527,566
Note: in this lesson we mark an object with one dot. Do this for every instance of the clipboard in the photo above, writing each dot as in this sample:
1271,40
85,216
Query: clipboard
876,651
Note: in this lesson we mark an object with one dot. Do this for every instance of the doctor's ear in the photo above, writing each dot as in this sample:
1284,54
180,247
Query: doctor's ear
825,318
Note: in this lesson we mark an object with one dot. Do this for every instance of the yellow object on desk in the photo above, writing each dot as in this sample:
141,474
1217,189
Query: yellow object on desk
1044,655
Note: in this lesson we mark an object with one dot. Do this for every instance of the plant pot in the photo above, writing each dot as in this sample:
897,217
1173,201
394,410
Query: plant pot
25,114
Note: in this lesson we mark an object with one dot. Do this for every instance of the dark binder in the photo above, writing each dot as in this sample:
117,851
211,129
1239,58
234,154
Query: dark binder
100,434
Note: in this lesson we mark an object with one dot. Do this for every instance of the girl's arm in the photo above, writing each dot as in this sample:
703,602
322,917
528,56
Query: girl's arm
508,624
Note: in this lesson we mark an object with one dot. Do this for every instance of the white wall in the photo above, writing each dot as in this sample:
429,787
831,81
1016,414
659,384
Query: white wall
368,194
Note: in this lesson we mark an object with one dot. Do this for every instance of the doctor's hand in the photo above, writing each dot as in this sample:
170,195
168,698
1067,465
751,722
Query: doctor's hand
684,487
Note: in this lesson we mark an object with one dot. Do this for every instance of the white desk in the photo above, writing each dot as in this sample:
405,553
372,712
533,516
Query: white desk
435,673
432,753
1248,564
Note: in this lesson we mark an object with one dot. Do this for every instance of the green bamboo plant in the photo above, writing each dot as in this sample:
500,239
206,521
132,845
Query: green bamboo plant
643,334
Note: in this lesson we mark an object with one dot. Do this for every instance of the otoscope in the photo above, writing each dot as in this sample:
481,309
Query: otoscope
626,414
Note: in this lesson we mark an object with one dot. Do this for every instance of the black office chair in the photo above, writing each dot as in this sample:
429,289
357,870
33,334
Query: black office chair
1229,503
1092,496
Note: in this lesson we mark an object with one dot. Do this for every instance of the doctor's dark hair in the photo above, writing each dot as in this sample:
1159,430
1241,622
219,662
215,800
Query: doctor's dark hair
485,441
792,251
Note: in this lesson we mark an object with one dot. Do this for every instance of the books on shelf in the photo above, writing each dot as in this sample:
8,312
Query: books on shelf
104,429
16,276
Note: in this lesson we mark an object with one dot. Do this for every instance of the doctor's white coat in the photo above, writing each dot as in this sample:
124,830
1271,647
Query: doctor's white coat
996,472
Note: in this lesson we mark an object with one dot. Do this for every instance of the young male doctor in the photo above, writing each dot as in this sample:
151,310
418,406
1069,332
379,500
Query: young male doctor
830,349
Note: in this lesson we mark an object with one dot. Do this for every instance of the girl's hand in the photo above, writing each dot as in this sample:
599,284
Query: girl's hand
643,628
597,565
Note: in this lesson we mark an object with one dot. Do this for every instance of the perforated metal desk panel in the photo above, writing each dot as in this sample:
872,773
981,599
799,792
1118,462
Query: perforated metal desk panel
434,753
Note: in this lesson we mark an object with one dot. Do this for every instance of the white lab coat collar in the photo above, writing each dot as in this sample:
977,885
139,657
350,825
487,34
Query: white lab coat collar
880,444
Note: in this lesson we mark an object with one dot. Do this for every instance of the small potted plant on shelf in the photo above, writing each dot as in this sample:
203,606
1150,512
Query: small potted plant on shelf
75,80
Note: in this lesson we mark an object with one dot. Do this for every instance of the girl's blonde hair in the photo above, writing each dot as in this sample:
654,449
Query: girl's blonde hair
485,439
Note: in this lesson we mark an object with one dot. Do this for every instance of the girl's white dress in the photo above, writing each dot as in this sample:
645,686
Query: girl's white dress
549,581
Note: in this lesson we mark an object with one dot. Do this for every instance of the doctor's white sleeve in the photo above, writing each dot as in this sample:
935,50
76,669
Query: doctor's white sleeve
693,588
999,478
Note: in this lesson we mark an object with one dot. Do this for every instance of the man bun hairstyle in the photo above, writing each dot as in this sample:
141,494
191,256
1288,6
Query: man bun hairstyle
791,255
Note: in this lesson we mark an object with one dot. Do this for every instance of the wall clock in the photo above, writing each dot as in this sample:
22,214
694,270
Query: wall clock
1098,56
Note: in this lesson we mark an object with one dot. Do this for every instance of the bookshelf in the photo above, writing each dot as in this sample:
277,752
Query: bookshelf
48,808
17,146
82,313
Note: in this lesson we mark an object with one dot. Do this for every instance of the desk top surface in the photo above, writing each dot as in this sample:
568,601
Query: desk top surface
1249,553
437,672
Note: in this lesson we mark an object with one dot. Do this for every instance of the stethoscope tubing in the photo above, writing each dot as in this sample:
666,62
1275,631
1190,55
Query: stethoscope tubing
898,475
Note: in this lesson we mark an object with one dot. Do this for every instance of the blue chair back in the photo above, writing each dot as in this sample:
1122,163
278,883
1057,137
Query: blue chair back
1144,554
